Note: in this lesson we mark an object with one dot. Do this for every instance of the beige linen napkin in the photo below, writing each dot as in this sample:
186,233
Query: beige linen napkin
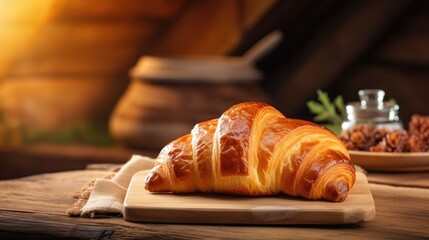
105,197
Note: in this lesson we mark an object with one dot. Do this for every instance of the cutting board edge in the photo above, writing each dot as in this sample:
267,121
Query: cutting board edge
138,215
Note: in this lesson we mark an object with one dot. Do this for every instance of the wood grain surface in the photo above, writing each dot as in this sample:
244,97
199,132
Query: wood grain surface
34,208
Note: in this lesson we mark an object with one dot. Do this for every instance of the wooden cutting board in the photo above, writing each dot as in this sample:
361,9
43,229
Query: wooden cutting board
143,206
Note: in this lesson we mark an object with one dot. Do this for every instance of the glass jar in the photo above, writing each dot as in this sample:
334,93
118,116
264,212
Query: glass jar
373,110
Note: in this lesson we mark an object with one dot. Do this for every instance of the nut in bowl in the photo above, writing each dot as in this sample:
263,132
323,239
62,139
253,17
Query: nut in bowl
382,150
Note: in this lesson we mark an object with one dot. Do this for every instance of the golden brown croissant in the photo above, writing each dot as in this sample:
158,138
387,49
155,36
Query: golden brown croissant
252,149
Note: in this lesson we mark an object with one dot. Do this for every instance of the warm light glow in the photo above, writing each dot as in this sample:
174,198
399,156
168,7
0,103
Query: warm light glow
19,21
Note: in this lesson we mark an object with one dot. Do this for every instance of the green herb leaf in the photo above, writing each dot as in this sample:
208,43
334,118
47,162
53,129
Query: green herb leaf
330,114
315,107
322,117
339,104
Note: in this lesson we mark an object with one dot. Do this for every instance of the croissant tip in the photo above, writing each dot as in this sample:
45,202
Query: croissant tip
154,182
148,181
337,192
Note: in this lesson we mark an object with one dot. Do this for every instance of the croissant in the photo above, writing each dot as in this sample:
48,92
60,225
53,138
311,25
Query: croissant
251,150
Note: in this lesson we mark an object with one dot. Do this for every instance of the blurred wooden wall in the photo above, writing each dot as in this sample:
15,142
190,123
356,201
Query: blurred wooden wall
64,61
398,62
344,46
70,59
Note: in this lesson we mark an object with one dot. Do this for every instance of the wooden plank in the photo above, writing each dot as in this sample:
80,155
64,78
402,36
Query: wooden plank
297,20
12,38
338,43
46,103
210,28
253,10
42,158
19,22
111,11
64,48
142,206
408,43
24,12
407,49
34,207
206,27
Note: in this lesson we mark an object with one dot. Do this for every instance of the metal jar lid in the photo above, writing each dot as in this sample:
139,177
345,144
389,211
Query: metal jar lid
372,107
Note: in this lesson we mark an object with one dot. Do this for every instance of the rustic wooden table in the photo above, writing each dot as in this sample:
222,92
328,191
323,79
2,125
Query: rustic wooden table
34,208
